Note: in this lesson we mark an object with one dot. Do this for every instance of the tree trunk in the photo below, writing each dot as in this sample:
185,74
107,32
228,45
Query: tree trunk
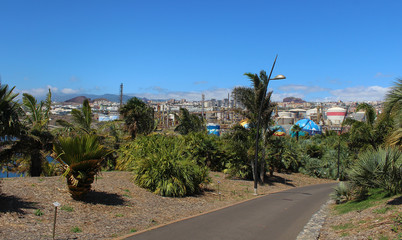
262,172
36,164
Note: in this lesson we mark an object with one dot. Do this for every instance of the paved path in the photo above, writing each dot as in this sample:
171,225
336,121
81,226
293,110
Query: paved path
278,216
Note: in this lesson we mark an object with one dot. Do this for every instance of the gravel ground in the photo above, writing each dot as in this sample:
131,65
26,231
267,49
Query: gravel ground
116,206
380,222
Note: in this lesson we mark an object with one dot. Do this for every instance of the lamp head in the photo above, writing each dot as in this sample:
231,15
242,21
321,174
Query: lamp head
278,77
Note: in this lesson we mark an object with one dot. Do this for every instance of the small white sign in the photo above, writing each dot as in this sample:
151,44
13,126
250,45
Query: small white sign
56,204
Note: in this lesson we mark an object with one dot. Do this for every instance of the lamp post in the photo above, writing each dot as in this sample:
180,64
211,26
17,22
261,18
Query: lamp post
257,137
339,144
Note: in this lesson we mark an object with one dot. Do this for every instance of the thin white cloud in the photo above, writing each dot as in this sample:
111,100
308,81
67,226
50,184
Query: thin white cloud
74,79
200,82
371,93
69,91
382,75
302,88
40,92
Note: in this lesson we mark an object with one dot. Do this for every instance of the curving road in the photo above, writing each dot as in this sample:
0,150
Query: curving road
278,216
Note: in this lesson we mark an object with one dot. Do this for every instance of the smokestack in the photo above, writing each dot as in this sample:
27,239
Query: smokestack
121,95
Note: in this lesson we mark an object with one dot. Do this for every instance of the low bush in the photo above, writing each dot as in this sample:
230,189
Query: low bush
162,165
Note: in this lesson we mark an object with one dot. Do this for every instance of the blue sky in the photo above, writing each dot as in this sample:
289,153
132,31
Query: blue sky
328,50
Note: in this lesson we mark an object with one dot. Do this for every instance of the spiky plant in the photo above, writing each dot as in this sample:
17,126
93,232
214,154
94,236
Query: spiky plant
343,192
80,157
380,168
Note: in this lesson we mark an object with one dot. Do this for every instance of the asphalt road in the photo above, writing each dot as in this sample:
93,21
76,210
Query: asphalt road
278,216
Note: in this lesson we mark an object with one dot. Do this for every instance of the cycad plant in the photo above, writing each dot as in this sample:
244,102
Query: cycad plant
81,158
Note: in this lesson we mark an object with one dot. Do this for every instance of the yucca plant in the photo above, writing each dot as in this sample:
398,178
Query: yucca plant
81,158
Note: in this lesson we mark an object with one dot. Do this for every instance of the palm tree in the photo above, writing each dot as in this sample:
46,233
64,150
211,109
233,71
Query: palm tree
9,113
189,122
251,98
138,117
393,109
82,121
36,141
10,126
254,99
362,133
83,118
81,158
297,129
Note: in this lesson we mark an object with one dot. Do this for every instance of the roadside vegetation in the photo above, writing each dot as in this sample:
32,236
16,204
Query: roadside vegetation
176,163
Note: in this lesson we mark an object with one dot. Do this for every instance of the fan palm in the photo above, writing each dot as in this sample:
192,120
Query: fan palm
81,158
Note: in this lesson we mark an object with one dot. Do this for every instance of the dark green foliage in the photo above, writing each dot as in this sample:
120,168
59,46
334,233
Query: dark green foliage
9,113
138,117
206,150
380,168
238,145
258,109
393,110
35,142
162,165
189,123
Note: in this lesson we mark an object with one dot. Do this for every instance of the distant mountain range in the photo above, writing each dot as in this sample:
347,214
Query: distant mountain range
79,98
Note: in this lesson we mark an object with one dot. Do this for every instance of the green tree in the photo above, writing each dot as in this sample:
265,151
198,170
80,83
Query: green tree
138,117
35,142
81,158
362,133
10,126
189,122
254,99
297,129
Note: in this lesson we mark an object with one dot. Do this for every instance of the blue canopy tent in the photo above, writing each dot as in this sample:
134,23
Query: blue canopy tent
307,126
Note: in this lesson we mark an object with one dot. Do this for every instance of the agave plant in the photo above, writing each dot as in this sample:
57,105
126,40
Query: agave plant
81,158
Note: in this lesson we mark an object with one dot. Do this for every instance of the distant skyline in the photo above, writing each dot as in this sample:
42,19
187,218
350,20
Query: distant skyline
328,50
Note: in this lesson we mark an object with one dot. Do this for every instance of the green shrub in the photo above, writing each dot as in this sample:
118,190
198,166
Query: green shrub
206,150
380,168
161,164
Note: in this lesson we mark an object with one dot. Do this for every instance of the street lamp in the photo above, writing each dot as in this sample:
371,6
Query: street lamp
257,137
